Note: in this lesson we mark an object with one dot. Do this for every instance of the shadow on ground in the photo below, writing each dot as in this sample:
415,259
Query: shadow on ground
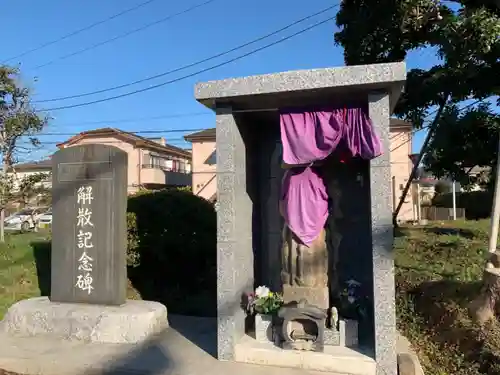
443,306
42,254
150,282
461,232
464,233
171,351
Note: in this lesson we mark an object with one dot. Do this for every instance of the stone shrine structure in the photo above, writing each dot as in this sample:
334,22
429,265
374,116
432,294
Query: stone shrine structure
253,238
88,272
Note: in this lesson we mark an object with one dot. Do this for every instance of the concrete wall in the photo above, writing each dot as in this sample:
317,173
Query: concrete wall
400,148
204,182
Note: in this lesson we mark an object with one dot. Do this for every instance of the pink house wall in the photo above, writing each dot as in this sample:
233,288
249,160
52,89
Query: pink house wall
136,158
205,180
401,165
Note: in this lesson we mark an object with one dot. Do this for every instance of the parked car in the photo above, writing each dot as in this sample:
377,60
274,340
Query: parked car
45,220
24,220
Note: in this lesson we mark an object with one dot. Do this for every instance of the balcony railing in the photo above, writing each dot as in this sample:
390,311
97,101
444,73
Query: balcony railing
179,169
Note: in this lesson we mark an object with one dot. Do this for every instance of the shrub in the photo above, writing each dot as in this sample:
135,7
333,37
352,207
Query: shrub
172,248
133,252
477,204
443,187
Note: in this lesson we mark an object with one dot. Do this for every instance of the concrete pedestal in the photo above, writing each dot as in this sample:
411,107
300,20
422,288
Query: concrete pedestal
130,323
335,359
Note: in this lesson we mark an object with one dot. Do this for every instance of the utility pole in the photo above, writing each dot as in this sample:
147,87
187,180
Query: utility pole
454,195
495,212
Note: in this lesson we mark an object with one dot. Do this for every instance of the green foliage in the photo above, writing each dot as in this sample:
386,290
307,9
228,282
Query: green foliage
18,122
172,249
467,43
32,186
477,204
462,141
18,119
438,271
133,251
268,304
443,187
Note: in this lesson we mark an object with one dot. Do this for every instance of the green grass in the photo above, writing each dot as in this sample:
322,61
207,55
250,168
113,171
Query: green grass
20,278
18,272
438,272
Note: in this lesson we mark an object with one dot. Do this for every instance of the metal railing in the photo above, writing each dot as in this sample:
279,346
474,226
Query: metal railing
180,169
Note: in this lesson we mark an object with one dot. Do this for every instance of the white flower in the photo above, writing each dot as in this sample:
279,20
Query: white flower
262,292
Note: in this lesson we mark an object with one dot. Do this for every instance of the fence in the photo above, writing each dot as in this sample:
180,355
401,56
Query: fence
441,213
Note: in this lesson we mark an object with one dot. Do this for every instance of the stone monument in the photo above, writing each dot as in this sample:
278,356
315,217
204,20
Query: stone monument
89,187
248,112
88,272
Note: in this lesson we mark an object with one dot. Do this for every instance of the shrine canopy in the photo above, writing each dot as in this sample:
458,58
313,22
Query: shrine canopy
303,87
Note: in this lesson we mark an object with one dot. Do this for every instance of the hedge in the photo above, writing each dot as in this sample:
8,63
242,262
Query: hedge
172,250
477,204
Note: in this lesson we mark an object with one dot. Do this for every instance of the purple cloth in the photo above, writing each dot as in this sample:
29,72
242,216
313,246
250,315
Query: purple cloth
309,136
305,195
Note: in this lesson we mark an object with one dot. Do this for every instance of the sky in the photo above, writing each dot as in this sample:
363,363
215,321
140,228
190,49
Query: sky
171,110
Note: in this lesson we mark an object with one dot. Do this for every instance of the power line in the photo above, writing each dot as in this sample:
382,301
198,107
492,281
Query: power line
140,119
45,143
189,65
132,131
189,75
67,36
124,35
190,130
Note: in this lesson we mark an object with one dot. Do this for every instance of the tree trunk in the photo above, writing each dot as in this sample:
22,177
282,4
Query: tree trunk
486,306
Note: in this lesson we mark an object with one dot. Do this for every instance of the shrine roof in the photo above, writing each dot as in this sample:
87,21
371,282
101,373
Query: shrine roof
303,86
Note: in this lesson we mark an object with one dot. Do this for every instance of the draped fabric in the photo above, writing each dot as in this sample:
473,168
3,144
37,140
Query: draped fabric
310,136
303,218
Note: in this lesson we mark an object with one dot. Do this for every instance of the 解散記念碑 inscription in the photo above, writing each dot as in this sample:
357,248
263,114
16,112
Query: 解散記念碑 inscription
84,239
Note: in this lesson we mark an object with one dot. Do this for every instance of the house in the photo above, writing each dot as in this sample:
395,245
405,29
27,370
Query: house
23,170
204,181
152,163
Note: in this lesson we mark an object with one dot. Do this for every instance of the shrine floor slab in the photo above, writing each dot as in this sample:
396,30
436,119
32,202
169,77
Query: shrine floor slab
186,348
334,359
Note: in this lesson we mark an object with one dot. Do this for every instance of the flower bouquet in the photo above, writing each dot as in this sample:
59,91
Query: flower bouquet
264,305
264,302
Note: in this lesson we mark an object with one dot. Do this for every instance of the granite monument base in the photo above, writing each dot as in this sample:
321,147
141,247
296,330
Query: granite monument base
334,359
314,296
346,335
133,322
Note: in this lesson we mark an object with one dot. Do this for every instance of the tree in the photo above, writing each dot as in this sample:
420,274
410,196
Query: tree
463,140
466,38
443,187
466,41
18,122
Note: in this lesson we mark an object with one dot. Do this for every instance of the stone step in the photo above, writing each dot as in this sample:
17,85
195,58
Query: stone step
334,359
